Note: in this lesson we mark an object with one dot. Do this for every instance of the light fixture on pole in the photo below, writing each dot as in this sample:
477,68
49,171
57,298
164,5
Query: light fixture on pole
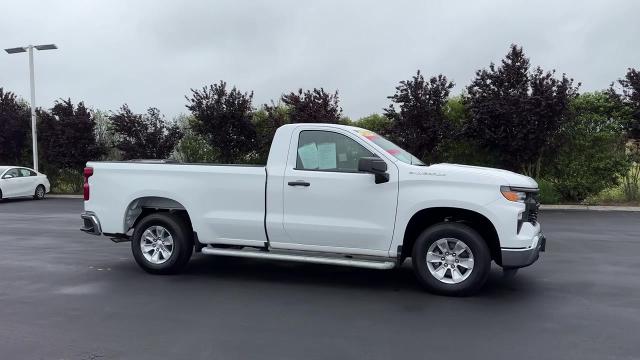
29,49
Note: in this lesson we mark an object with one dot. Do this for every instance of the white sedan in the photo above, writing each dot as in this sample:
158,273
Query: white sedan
18,181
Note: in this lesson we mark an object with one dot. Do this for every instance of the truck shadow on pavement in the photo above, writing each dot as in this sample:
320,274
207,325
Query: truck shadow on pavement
299,274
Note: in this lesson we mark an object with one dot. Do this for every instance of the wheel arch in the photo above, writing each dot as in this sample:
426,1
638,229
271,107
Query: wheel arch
145,205
427,217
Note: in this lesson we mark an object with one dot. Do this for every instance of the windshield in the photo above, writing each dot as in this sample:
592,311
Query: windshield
391,148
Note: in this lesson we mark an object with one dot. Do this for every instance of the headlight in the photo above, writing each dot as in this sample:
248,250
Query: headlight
511,195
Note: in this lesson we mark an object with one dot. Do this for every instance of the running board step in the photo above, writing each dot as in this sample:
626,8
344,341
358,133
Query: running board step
367,264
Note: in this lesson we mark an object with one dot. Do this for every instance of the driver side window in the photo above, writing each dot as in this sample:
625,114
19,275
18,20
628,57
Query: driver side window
329,151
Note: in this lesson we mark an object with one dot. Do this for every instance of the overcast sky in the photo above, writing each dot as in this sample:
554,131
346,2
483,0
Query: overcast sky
150,53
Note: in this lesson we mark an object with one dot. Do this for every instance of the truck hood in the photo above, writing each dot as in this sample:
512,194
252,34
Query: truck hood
504,177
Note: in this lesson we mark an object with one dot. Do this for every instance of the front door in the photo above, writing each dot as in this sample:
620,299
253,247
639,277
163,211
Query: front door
328,204
11,183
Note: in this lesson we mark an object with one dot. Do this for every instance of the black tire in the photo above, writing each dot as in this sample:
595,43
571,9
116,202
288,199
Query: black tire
481,264
182,243
39,193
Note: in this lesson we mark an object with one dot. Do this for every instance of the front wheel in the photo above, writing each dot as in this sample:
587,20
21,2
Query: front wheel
162,243
39,193
451,259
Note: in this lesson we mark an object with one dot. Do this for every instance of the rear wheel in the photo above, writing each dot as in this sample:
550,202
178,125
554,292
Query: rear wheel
39,193
162,243
451,259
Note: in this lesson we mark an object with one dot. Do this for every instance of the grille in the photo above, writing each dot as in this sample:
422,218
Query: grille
532,206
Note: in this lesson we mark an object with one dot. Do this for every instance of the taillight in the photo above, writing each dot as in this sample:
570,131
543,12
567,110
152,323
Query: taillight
88,171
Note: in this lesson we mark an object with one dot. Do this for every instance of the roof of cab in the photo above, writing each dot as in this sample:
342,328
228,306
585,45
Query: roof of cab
344,127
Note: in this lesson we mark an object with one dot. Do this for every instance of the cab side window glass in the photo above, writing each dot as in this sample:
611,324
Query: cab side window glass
329,151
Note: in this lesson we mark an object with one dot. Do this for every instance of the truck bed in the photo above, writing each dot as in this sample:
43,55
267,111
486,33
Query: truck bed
227,198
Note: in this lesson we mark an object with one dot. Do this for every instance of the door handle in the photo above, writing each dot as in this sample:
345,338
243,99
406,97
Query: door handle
299,183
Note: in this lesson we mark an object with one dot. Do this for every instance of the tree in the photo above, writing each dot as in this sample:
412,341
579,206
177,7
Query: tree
192,148
266,121
143,136
456,148
223,119
313,106
456,112
105,137
419,125
14,127
517,113
592,155
630,97
66,137
377,123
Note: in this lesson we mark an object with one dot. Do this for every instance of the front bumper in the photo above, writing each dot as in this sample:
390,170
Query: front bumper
91,223
517,258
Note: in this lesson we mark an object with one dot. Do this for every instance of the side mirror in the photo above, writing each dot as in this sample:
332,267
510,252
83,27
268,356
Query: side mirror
375,166
7,176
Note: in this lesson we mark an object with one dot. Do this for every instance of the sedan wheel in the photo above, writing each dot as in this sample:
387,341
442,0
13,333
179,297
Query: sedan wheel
40,192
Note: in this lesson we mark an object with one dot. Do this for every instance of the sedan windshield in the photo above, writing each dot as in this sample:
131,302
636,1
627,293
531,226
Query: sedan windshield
391,148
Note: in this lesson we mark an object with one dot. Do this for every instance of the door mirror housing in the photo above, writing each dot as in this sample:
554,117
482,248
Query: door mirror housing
375,166
8,176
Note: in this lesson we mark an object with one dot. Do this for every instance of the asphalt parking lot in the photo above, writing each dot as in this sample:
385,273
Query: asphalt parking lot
67,295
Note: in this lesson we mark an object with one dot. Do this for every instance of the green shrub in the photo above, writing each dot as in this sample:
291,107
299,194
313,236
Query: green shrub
377,123
194,149
592,157
589,164
614,195
66,181
631,181
548,193
625,193
631,184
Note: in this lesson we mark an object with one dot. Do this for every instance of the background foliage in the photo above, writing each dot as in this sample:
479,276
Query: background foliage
580,147
419,124
517,113
14,127
313,106
143,136
223,118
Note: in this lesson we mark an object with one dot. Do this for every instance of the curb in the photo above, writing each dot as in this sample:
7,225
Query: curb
63,196
591,208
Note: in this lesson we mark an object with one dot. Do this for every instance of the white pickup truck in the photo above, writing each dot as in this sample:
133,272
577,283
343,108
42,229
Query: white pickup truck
329,194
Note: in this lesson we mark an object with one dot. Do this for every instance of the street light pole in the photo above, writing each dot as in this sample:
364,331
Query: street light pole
34,135
32,82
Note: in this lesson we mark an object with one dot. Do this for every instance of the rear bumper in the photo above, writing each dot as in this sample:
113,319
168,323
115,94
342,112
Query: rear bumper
517,258
91,223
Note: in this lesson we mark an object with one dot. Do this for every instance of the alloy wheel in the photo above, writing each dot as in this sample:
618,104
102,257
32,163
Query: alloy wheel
156,244
450,260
